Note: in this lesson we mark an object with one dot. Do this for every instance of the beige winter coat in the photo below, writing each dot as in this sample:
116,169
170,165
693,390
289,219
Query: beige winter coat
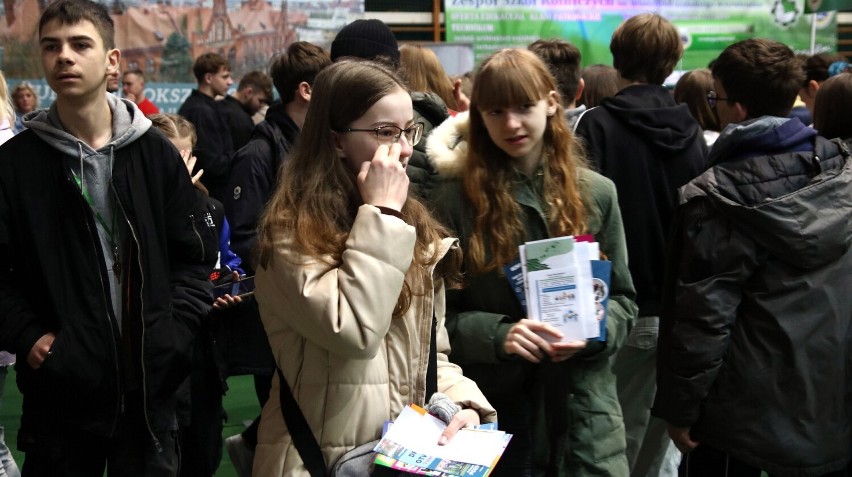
350,365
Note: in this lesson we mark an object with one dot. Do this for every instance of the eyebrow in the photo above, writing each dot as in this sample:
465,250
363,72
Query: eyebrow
379,124
50,39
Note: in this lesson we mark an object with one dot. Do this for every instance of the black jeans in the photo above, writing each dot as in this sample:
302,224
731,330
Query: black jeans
129,453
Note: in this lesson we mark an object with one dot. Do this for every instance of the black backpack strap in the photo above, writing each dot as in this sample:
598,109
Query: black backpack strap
432,369
300,432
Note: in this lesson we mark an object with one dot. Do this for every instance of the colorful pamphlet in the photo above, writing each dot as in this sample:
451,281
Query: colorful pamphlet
411,444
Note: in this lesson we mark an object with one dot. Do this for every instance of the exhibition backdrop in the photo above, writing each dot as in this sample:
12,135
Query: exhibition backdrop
706,26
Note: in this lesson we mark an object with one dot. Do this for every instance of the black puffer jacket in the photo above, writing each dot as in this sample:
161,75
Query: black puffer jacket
55,280
431,110
755,351
254,175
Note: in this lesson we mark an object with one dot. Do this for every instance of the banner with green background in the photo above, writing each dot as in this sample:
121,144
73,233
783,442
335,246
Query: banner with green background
707,27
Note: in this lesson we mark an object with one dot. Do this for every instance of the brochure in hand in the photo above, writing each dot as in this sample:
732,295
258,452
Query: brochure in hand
411,444
564,284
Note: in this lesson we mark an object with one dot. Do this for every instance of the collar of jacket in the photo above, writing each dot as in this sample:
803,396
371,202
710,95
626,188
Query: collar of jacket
447,151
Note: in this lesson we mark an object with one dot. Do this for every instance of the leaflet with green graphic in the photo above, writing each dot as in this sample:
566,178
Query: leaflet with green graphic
559,282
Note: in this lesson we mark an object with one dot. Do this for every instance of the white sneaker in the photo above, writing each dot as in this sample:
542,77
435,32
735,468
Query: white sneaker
241,455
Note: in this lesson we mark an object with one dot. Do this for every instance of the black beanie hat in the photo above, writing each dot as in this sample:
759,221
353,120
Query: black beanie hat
365,39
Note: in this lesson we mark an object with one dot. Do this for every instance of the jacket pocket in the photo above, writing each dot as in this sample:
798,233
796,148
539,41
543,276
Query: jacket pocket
644,333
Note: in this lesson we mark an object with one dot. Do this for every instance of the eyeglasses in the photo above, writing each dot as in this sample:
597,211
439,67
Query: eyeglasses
713,99
387,135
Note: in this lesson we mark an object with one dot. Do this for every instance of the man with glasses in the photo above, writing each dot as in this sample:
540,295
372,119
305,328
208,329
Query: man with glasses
649,146
756,326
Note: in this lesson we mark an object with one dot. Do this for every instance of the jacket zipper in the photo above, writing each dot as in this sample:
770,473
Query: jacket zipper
156,441
110,319
200,241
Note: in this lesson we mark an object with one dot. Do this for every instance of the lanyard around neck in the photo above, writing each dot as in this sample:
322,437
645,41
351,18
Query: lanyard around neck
112,232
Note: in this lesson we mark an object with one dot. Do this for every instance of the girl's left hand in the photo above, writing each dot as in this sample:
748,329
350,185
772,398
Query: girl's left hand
463,418
189,160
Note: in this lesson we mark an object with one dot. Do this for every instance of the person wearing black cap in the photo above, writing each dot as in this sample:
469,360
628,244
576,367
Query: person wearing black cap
371,39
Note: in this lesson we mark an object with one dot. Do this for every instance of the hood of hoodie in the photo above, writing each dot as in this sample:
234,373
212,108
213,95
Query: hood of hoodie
128,124
93,170
652,113
797,205
759,136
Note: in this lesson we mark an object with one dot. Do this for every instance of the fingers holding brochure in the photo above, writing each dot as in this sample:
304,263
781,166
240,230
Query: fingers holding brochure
531,340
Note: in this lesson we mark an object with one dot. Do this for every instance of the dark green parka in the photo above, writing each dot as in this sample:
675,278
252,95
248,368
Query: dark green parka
565,415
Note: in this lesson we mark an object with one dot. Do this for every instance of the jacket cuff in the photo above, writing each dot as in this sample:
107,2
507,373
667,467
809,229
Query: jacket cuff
500,340
27,339
389,211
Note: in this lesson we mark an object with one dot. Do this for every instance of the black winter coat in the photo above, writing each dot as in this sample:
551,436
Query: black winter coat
215,145
755,350
649,146
55,280
254,176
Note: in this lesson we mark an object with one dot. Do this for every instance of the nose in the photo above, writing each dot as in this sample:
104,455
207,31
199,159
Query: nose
512,120
64,55
406,148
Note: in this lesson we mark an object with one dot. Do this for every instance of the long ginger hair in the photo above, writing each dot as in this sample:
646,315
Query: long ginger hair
317,197
509,78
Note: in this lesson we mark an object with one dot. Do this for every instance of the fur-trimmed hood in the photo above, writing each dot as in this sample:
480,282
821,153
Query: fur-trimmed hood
446,147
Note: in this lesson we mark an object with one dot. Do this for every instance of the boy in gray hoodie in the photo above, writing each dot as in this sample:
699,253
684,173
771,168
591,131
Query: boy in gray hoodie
107,252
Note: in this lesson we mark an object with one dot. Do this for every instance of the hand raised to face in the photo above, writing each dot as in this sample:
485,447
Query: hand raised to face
383,181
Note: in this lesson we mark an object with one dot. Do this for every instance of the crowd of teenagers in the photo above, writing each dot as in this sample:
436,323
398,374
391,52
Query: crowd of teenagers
376,206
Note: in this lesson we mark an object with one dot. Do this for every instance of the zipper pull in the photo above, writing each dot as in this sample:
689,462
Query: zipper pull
116,264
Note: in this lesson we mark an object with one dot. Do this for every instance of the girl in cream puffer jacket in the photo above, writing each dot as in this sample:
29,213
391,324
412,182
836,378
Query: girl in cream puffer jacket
351,275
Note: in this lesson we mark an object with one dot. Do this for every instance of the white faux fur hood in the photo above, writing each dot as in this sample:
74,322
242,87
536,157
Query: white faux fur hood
446,147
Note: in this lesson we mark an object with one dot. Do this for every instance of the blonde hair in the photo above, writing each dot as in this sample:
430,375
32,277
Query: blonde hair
317,197
509,78
426,74
25,86
174,126
7,109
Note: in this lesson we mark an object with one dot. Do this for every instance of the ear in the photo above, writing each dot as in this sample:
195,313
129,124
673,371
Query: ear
247,93
552,99
740,112
304,91
813,87
338,144
113,60
580,87
208,78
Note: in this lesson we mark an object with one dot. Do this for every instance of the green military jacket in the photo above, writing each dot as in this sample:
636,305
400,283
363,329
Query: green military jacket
572,406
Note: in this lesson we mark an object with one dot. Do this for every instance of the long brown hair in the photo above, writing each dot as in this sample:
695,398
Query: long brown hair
692,89
831,107
425,73
317,197
509,78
